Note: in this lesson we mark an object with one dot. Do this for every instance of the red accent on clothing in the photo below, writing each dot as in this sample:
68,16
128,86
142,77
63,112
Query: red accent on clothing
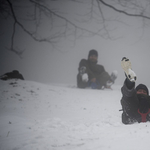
143,115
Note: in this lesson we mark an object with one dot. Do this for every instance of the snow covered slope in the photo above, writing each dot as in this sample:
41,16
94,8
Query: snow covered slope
34,116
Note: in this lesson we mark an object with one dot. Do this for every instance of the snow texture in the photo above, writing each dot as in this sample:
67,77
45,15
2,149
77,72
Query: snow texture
35,116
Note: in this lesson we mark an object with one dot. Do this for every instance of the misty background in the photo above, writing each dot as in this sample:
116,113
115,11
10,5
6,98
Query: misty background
47,63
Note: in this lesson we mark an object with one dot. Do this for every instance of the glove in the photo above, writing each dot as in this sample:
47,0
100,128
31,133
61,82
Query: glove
126,66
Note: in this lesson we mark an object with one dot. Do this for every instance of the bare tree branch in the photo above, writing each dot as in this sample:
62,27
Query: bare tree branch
51,39
37,12
65,19
103,18
124,12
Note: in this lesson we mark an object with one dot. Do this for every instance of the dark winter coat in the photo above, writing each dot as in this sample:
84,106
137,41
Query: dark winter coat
93,70
136,107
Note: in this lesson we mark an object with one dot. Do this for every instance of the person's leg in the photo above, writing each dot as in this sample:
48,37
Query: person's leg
103,78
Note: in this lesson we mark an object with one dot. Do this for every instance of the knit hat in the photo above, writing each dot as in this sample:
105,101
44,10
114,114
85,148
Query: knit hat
143,87
93,52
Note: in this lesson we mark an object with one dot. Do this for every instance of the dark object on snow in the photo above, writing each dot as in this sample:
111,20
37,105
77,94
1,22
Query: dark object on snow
12,75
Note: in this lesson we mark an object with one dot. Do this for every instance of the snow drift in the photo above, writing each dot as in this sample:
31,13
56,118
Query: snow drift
34,116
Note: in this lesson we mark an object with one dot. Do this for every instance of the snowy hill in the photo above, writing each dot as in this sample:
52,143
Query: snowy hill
34,116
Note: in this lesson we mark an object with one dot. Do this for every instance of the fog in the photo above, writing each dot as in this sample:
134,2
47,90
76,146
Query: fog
43,63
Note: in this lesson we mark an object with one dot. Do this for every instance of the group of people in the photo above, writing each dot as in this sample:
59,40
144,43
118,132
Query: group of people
135,101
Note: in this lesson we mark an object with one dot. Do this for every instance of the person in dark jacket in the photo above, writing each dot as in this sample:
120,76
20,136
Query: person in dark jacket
12,75
91,74
135,100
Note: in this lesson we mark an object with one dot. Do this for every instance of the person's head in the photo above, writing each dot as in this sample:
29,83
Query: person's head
93,55
142,89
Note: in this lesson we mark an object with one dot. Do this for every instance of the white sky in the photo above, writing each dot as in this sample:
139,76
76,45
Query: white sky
42,63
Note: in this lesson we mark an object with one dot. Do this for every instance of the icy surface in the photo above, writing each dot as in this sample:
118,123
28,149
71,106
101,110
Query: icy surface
34,116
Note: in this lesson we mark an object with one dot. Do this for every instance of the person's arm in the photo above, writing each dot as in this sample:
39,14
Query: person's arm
129,99
130,85
128,89
84,63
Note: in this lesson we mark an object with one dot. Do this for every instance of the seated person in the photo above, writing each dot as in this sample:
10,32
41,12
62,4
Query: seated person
92,74
12,75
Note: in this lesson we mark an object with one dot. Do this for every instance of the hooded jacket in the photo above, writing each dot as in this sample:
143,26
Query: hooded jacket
93,70
136,107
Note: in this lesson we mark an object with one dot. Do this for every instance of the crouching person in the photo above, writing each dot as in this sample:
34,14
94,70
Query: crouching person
92,74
